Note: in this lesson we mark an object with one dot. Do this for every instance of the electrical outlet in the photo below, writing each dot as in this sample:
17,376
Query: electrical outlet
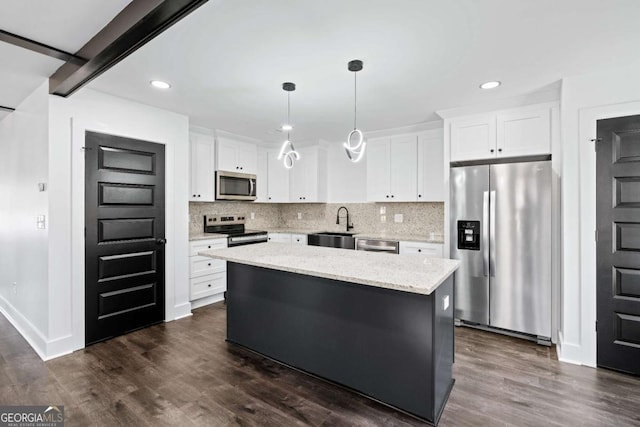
253,215
383,210
397,218
383,218
299,215
40,222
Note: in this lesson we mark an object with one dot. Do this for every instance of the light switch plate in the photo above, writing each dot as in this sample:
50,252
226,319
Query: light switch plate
383,218
40,222
383,210
299,215
445,302
398,218
253,215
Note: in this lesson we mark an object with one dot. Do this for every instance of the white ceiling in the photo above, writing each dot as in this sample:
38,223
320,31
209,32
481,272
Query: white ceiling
63,24
227,60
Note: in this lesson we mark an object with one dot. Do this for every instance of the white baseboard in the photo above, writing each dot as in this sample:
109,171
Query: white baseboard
180,311
568,352
207,300
30,333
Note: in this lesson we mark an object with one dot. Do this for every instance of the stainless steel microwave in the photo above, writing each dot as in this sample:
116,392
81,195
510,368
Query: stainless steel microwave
235,186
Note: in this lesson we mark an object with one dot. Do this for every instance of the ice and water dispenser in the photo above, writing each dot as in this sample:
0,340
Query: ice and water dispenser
469,235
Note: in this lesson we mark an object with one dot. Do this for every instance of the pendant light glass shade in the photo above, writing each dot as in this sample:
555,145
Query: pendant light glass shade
355,144
288,153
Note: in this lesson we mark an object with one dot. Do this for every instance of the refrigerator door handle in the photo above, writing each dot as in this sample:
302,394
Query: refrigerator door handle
485,233
492,233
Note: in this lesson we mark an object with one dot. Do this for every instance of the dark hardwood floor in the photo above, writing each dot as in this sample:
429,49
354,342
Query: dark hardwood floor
183,373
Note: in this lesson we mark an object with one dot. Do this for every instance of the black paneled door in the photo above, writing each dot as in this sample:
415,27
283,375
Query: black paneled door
618,247
124,235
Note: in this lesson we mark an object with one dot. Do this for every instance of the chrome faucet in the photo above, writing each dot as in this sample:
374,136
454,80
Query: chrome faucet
349,227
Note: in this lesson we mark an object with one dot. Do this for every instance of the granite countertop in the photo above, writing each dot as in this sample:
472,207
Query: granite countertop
420,275
206,236
401,237
373,235
292,230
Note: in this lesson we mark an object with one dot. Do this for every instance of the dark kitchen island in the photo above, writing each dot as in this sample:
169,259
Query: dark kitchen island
379,324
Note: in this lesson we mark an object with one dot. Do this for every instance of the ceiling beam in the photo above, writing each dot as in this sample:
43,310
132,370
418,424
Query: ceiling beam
7,109
42,48
135,26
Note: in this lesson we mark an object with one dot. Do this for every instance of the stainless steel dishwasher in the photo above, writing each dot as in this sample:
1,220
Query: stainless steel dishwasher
377,245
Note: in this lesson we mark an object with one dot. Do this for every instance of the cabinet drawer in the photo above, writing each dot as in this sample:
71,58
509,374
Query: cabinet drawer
421,249
201,266
208,285
204,245
299,239
279,237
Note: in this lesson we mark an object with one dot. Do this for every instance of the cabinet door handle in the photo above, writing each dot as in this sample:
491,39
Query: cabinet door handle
419,195
499,150
419,250
387,196
492,150
209,264
392,196
209,247
209,285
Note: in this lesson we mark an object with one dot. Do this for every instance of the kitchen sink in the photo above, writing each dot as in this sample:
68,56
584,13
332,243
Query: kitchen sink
332,239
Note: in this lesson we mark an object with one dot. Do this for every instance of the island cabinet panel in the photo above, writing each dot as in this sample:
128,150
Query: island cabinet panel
393,346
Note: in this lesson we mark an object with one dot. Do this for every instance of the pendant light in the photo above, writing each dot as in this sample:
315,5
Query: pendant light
355,144
288,154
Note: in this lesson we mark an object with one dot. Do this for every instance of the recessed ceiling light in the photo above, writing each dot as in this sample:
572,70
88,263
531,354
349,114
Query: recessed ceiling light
160,84
490,85
287,127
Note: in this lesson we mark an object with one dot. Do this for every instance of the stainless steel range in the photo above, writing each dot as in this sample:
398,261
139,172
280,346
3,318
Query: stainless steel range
233,227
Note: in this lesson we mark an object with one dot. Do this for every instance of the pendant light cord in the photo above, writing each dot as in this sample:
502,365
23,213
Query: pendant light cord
355,100
288,113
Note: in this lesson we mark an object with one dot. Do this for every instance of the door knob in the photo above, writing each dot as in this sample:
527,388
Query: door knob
161,241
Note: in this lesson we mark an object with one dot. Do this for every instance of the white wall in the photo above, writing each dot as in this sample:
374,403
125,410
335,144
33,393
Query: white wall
23,247
69,118
585,99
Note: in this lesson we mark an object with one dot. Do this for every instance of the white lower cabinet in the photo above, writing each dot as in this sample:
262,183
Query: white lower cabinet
421,249
292,239
279,237
207,276
298,239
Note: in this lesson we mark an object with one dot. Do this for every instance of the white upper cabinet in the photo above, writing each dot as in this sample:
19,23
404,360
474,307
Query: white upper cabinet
431,166
277,179
236,156
392,169
523,133
273,178
473,138
518,132
308,177
202,168
378,170
261,177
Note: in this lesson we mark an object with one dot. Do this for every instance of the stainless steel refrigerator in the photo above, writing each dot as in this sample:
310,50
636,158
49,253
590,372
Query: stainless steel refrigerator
501,232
